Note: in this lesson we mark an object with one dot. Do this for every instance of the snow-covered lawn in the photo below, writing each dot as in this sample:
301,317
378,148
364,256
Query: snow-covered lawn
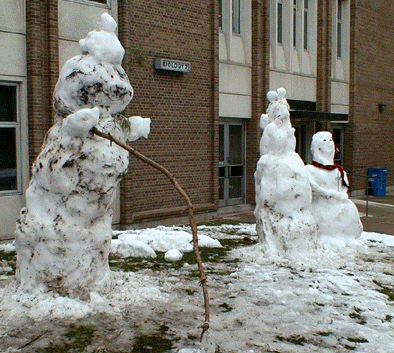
331,303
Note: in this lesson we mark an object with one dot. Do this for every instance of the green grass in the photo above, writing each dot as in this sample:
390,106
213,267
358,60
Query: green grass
9,258
79,338
150,344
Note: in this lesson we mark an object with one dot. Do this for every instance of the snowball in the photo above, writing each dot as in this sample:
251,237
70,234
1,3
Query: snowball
173,255
272,96
80,123
139,127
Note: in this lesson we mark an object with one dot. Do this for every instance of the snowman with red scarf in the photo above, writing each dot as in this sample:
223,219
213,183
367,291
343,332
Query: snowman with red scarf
337,217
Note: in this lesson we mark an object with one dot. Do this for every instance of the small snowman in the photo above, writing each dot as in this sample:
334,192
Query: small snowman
284,223
337,218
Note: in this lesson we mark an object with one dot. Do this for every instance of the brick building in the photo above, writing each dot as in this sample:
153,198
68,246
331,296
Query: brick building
333,57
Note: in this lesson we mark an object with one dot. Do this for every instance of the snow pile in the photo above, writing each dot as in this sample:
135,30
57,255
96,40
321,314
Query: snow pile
256,305
337,217
145,243
64,233
284,221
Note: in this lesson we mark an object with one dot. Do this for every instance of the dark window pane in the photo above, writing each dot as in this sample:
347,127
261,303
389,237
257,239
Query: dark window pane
236,171
8,177
221,189
235,188
220,14
280,23
222,173
235,144
8,103
221,143
236,17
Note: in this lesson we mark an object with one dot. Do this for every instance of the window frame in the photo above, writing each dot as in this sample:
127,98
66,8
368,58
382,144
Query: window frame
18,143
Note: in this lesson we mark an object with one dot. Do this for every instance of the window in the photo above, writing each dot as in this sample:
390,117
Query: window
280,22
339,28
106,3
237,16
337,136
220,14
306,10
9,138
294,23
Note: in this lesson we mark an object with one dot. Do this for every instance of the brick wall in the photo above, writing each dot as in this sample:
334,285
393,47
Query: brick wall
370,134
182,106
42,68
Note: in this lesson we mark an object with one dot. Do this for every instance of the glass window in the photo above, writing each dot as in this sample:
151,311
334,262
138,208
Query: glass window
280,22
339,28
337,137
9,138
220,14
306,10
294,23
237,16
94,2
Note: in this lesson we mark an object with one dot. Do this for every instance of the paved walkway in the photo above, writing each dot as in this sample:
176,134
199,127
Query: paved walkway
376,216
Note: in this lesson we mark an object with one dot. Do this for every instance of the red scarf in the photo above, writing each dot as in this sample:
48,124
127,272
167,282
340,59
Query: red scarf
332,167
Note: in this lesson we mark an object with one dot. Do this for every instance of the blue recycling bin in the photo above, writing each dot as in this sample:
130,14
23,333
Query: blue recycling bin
377,177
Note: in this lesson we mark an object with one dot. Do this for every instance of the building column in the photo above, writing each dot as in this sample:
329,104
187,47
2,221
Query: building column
260,87
323,82
42,56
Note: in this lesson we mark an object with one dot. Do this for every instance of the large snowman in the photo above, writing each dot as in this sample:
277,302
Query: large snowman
63,235
284,222
338,222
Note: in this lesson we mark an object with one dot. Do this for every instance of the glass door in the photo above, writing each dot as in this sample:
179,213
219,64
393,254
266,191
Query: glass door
231,163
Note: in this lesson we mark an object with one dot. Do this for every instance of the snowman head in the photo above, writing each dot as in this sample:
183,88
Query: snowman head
323,147
95,78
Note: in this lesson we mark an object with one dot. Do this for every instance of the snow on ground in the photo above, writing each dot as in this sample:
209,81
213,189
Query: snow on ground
331,303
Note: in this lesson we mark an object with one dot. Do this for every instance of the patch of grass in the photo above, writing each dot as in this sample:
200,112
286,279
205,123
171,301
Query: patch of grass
149,344
384,289
8,258
388,318
226,307
219,222
208,255
79,338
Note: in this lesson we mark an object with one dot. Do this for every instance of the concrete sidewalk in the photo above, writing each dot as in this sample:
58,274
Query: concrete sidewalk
376,216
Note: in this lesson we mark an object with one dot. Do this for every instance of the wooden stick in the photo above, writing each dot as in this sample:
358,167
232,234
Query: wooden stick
189,204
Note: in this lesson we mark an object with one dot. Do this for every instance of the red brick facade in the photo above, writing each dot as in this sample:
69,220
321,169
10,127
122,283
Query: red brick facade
42,47
184,106
370,134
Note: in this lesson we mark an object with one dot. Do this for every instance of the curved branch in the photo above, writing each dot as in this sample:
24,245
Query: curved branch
193,224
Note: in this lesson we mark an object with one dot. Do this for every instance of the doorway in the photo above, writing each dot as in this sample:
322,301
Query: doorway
231,162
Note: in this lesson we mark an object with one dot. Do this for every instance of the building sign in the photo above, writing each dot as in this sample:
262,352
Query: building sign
172,65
